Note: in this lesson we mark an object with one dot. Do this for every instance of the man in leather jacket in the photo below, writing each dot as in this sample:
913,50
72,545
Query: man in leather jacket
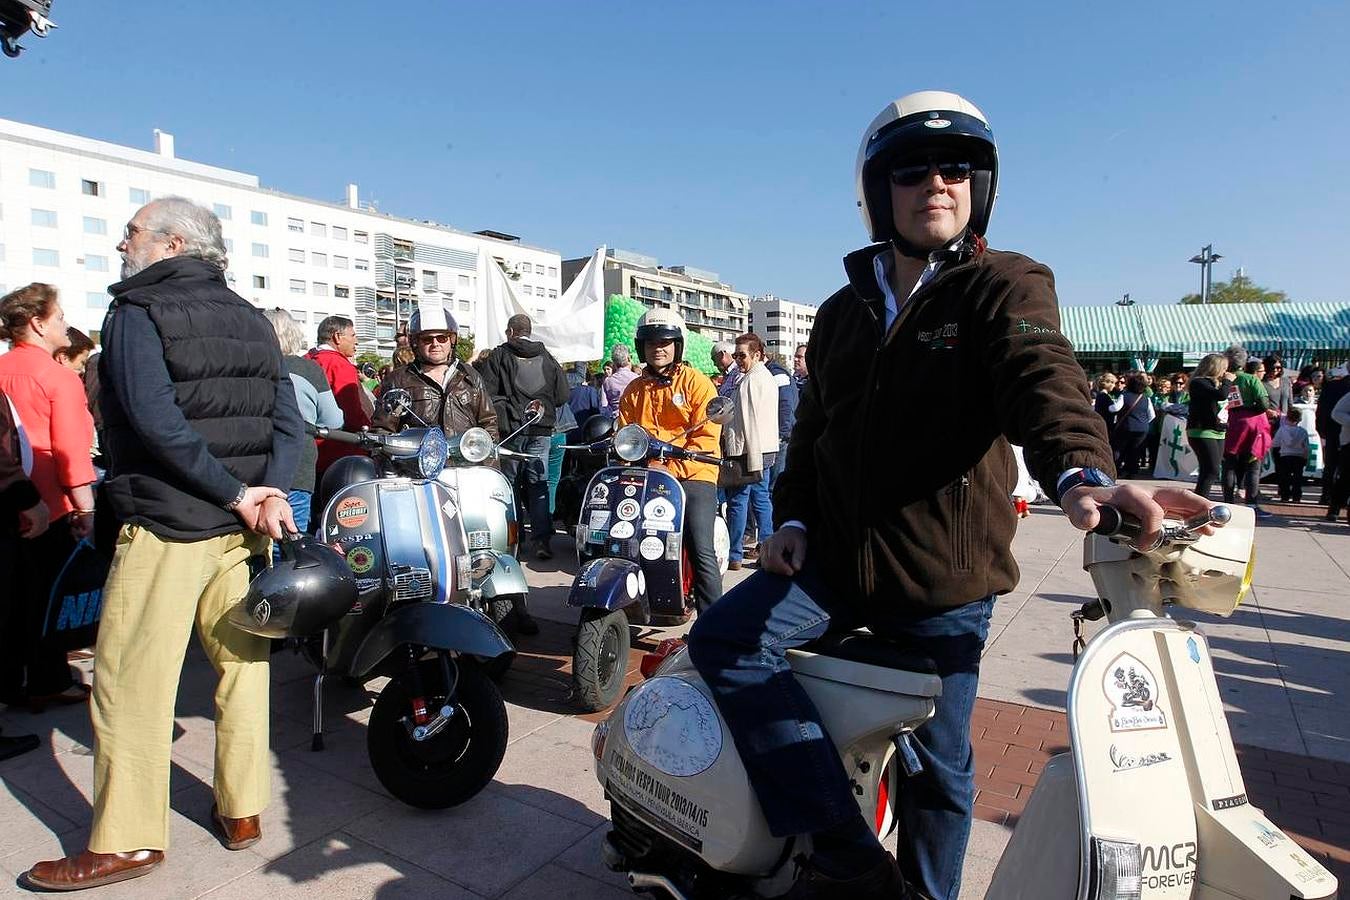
445,392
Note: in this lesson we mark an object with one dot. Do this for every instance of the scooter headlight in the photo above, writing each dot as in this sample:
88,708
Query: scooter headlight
431,455
475,445
631,443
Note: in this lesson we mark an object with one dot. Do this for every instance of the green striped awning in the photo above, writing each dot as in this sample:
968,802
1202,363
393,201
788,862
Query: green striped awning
1101,329
1314,326
1180,329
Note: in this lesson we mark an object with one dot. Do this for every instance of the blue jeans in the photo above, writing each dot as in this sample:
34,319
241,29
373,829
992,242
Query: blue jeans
530,476
300,503
779,464
739,501
740,646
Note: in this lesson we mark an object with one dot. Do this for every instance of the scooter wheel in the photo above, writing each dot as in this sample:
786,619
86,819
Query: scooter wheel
453,765
600,660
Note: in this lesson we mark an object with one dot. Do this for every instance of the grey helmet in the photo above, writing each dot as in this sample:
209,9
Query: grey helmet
925,120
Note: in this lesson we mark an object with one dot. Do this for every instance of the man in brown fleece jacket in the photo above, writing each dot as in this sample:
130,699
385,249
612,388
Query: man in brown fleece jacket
875,529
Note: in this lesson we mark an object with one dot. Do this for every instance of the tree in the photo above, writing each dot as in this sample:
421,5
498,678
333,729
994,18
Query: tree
1240,290
371,357
464,348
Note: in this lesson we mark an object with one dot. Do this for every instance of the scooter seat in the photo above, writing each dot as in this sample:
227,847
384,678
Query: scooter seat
869,649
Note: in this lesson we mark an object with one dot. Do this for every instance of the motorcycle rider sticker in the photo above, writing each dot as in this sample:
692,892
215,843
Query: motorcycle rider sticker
1133,693
352,512
599,495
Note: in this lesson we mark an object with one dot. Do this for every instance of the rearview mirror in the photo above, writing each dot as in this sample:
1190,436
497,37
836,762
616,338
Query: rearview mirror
394,402
534,410
720,410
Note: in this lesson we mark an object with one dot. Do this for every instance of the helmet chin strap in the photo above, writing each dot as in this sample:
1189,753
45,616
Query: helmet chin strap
959,249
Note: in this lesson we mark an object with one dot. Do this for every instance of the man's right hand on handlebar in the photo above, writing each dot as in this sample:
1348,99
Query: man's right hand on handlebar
1147,504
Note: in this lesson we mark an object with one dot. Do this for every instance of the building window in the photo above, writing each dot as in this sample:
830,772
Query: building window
319,259
552,294
320,289
341,291
90,188
300,316
360,237
362,265
526,268
429,280
44,218
94,263
295,255
257,217
97,300
318,229
42,178
339,262
464,281
95,226
229,245
339,233
223,212
296,225
2,252
138,196
260,281
297,286
261,251
43,257
552,271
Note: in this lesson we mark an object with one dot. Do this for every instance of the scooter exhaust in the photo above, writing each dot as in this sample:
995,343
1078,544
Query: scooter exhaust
645,880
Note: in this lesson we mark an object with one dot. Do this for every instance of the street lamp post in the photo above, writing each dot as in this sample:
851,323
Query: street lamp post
1125,301
1205,259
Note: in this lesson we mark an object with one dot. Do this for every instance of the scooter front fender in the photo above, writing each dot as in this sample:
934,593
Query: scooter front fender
610,583
441,626
506,578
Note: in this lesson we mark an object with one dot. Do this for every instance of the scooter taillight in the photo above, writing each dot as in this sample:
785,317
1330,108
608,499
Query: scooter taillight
512,533
652,661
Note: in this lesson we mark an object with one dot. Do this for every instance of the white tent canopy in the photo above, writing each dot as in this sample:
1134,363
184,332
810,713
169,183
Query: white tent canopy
573,329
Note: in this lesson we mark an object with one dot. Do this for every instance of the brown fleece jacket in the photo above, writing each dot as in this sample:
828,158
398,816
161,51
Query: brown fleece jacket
907,500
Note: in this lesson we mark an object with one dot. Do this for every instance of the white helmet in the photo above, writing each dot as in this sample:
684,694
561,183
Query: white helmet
917,122
661,325
432,316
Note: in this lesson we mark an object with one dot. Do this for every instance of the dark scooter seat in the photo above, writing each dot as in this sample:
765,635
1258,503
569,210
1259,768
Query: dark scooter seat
869,649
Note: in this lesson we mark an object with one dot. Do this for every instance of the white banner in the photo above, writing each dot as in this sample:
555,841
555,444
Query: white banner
1176,460
573,328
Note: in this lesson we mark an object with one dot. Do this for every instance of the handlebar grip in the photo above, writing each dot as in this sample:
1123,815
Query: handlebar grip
1117,525
342,437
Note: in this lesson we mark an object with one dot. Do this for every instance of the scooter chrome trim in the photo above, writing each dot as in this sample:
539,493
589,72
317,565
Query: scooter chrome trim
641,880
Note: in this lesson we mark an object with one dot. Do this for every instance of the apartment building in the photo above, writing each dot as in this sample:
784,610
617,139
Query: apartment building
709,306
782,324
64,200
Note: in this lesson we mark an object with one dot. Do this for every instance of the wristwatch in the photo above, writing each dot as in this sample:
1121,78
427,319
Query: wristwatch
1089,477
239,498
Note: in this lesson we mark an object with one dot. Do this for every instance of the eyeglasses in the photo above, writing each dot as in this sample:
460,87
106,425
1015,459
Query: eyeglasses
740,356
132,229
952,172
433,338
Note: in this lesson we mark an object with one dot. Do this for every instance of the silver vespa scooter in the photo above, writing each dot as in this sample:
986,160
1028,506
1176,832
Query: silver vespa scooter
1149,803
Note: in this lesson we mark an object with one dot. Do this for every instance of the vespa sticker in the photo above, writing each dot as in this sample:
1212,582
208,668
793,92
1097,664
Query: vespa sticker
627,509
1123,762
361,560
621,531
659,510
599,495
651,548
1133,693
352,512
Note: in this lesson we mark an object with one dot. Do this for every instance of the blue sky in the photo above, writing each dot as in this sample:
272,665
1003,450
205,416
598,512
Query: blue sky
723,135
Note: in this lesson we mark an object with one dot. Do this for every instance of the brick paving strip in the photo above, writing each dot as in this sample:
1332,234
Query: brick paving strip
1307,797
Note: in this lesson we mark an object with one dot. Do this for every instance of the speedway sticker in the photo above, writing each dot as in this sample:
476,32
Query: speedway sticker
1123,762
361,560
352,512
1132,691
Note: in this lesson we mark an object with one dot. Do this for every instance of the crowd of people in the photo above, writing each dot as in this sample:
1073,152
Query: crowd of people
1238,409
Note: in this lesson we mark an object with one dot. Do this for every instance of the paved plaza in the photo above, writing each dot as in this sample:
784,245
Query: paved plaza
332,832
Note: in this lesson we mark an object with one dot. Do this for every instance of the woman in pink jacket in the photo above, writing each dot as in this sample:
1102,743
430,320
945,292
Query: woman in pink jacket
51,405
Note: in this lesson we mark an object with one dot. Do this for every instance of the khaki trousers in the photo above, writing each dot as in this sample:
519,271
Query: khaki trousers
155,590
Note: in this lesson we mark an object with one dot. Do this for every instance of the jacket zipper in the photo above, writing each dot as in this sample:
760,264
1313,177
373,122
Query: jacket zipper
960,494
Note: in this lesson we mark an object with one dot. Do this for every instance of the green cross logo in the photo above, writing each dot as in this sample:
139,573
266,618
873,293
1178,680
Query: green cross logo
1177,448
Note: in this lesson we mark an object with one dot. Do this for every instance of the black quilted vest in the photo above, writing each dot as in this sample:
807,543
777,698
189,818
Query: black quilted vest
224,362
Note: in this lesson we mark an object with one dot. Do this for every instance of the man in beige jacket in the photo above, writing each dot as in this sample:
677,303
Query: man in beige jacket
753,435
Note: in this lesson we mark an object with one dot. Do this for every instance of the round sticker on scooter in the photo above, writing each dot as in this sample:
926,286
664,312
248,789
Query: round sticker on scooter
672,727
627,509
621,531
352,512
651,548
660,510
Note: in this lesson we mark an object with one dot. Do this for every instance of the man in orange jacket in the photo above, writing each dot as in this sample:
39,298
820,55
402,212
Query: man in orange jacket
669,397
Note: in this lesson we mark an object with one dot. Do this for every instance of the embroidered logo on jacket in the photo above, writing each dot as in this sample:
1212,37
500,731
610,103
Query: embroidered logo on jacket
942,337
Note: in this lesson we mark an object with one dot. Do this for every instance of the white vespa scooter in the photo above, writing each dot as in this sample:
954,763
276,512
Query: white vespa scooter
1151,795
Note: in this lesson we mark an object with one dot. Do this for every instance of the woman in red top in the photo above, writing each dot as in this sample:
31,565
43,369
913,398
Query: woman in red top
50,402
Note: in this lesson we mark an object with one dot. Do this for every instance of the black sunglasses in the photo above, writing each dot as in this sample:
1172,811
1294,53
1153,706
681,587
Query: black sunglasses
952,172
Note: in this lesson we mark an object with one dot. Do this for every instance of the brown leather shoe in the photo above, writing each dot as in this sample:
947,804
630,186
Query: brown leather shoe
237,834
90,870
881,881
734,565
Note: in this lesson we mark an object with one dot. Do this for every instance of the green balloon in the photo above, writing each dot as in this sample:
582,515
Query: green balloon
621,318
